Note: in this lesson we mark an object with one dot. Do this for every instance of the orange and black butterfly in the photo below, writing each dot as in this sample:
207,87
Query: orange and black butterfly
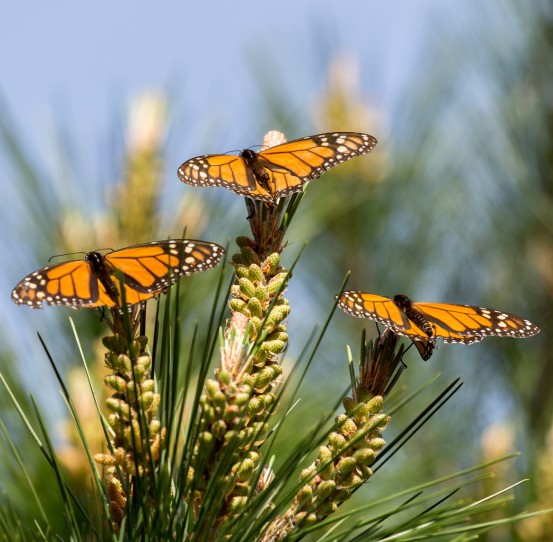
423,323
276,171
97,281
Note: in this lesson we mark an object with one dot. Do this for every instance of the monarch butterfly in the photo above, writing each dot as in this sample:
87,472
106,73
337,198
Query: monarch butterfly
425,322
146,270
276,171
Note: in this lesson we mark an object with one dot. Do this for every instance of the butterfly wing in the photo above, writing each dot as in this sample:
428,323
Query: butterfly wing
292,164
71,283
425,347
468,324
148,269
223,170
380,309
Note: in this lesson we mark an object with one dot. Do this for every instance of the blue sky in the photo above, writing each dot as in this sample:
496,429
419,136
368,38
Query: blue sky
80,61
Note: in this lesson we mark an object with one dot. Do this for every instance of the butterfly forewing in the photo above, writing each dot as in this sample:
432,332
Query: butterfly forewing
300,158
380,309
145,268
70,283
152,267
218,170
309,157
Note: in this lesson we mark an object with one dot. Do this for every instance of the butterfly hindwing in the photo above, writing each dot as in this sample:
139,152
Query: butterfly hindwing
425,348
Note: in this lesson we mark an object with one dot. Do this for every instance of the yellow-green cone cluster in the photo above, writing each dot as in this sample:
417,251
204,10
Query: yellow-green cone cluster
117,497
237,402
232,423
257,294
137,436
227,429
342,465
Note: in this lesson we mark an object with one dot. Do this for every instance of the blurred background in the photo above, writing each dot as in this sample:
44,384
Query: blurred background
100,104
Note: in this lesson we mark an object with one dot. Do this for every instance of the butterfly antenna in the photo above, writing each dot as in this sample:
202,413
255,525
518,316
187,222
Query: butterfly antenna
66,254
80,253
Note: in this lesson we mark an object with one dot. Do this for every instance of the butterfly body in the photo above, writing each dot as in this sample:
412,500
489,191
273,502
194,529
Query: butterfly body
251,159
426,322
143,271
417,317
100,270
277,171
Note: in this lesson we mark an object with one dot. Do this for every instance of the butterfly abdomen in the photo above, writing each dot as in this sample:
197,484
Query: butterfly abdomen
98,263
417,317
